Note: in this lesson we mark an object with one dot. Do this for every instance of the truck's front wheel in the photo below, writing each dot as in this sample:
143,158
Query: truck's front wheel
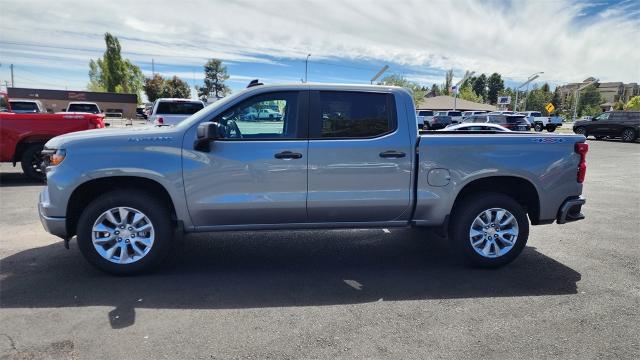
489,230
538,127
125,232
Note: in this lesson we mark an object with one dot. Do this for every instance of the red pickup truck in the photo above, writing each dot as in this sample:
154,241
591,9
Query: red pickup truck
22,136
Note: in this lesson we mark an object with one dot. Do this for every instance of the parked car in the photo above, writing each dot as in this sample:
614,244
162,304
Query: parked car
613,124
125,194
27,106
140,113
475,127
456,116
22,135
269,114
539,122
83,106
169,111
438,122
424,118
511,122
468,114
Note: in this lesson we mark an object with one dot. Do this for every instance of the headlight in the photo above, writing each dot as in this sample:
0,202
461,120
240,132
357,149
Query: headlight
53,157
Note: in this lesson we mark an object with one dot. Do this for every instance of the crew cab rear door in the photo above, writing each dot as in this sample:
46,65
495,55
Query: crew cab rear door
360,162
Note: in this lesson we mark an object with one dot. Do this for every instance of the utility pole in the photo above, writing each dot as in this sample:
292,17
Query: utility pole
467,75
13,84
306,67
530,79
379,73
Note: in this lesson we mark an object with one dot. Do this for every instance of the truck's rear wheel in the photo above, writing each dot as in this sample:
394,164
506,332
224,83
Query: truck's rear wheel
31,162
125,232
489,230
551,128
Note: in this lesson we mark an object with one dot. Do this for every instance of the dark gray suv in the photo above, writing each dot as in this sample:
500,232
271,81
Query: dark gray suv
613,124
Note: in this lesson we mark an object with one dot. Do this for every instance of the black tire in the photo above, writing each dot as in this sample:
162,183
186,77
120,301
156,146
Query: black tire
581,131
538,127
31,162
551,128
628,135
155,210
463,217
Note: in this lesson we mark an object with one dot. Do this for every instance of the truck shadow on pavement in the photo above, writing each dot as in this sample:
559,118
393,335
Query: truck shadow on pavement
276,269
17,179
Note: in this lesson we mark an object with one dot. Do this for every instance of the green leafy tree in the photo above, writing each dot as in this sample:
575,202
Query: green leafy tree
112,73
633,103
589,98
537,99
495,85
399,80
467,93
176,88
479,86
153,87
448,81
215,75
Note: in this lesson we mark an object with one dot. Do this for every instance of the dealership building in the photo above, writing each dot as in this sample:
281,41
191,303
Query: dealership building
57,100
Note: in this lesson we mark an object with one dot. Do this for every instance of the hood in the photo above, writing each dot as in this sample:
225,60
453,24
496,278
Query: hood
100,135
581,122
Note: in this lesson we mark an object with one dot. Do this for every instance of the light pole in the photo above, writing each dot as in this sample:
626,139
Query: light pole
575,108
306,67
529,79
379,73
467,75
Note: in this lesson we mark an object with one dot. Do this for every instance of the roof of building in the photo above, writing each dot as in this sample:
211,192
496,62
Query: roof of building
71,95
444,102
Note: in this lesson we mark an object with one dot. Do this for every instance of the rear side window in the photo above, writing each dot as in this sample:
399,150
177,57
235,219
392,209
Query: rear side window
516,120
178,108
497,119
425,113
347,114
536,114
479,119
24,106
88,108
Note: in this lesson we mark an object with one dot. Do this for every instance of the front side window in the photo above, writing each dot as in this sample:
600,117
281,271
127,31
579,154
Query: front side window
267,116
603,116
356,114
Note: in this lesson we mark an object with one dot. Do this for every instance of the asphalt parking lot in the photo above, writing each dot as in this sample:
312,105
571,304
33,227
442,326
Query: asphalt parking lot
574,293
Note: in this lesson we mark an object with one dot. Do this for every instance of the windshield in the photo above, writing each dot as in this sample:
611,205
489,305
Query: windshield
178,107
88,108
24,106
4,107
603,116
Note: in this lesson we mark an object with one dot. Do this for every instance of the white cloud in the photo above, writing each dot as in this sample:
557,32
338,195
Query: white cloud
515,39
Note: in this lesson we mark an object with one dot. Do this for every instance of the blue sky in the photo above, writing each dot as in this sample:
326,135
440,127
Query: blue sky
348,41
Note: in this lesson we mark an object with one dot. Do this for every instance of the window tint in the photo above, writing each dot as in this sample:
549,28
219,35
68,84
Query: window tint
536,114
455,113
24,106
516,120
425,113
267,116
479,119
178,107
497,119
355,114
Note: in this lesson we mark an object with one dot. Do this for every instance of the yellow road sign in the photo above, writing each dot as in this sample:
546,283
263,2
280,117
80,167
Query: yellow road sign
549,108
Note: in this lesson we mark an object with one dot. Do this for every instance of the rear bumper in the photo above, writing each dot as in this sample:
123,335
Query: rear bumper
571,210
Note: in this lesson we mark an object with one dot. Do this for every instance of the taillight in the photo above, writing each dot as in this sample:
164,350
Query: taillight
159,120
582,149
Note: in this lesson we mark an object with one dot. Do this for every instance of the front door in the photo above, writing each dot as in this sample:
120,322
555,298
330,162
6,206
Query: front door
257,173
360,158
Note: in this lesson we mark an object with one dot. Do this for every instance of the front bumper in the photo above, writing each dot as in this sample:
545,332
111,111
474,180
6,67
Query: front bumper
571,210
53,225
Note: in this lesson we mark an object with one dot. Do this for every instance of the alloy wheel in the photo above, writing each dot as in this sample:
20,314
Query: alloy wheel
493,233
123,235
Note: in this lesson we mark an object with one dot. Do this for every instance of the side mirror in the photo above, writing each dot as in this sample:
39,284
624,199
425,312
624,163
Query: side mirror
205,133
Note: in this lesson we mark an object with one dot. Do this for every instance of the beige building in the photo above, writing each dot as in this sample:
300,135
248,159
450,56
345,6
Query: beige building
57,100
611,92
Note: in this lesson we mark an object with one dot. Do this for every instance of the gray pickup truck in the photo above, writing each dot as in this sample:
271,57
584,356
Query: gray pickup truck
339,157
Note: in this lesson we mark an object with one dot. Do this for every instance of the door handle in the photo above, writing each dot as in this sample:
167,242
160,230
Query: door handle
392,154
288,155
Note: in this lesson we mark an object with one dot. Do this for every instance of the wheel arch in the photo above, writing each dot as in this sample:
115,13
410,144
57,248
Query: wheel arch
89,190
520,189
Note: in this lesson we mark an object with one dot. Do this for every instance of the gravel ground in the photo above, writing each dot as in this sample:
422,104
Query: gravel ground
573,293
